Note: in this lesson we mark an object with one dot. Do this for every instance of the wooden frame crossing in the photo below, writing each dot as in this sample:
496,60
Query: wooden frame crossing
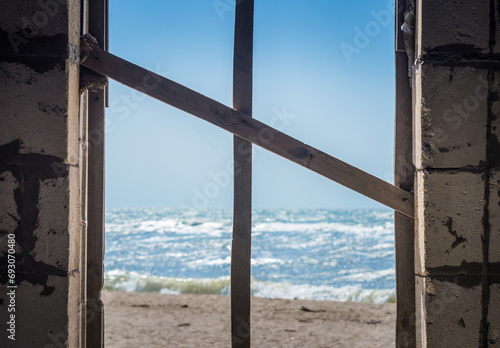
248,131
242,206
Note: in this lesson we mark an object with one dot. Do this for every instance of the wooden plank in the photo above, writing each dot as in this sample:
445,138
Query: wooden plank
405,282
95,228
106,46
84,191
404,178
249,129
403,164
95,231
242,209
399,38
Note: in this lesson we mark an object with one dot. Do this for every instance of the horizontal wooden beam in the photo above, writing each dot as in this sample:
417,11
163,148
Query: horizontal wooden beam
247,128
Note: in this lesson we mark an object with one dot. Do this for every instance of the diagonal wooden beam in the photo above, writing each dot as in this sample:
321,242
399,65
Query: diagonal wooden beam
242,208
247,128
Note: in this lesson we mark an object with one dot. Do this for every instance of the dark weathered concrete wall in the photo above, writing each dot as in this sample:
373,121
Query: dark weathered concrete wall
40,185
457,159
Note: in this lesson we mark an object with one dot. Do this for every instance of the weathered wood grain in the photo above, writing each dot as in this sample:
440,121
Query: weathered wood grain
97,26
404,178
95,229
242,209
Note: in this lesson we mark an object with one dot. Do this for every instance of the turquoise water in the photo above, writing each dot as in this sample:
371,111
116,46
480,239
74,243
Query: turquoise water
343,255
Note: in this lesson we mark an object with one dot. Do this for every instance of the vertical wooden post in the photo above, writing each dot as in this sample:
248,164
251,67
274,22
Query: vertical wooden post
95,232
404,178
84,183
242,215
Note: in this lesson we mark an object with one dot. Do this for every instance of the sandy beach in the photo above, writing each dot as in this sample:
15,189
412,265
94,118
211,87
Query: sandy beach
140,319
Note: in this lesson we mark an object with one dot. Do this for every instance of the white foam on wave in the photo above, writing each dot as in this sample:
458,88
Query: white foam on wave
324,293
182,226
178,225
259,261
211,262
121,281
319,227
366,275
350,246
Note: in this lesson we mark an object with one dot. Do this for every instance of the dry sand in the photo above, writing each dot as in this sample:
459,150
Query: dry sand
156,320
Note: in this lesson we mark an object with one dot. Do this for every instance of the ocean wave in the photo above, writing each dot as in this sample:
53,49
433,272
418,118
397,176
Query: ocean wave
172,229
182,224
121,281
318,227
341,254
136,282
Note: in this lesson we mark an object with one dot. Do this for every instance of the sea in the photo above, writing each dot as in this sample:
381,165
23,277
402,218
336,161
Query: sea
316,254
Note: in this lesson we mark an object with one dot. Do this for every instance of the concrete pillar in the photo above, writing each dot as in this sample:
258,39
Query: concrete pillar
457,158
40,174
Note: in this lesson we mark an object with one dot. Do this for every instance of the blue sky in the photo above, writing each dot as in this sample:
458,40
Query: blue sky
323,73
